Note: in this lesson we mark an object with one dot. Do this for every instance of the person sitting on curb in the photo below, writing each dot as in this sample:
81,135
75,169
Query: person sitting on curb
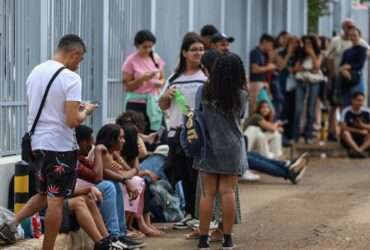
90,173
78,211
264,135
355,127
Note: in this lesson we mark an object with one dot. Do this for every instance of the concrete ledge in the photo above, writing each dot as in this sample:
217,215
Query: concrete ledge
72,241
326,150
6,173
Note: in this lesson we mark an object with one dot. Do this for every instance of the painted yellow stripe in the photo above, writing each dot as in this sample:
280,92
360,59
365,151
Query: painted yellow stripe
21,184
18,207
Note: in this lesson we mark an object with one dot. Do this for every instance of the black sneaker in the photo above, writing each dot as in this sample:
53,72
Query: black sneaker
296,176
130,242
332,138
227,243
203,243
181,225
357,154
7,233
299,162
108,244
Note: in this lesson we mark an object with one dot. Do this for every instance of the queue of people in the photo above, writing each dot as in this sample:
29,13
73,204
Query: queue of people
114,185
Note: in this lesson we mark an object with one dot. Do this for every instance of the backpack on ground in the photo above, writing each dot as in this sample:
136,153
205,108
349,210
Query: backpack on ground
165,198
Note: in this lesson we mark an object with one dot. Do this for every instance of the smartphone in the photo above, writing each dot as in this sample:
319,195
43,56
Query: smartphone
95,102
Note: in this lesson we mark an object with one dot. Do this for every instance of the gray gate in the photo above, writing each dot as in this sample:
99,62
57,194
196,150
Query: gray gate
30,29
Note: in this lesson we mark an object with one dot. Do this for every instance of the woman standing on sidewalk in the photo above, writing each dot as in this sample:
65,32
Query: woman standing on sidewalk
223,106
186,80
143,78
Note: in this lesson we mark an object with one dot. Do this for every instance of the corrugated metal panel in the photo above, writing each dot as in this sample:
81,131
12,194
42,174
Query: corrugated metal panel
170,30
278,18
235,25
108,28
207,12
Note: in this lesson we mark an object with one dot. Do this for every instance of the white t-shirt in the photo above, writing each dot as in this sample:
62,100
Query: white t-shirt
188,86
338,46
52,133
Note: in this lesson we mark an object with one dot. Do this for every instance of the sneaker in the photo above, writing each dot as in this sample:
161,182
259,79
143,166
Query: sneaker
132,244
249,176
8,233
108,244
332,138
357,154
296,176
309,141
193,223
299,162
213,225
181,225
227,243
203,243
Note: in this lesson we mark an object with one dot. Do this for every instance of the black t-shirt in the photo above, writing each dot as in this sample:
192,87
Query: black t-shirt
256,56
350,117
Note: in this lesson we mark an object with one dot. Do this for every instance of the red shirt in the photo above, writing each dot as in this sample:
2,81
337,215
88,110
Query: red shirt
85,170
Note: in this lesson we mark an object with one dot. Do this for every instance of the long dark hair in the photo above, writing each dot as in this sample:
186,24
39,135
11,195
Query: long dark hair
130,149
189,39
144,36
269,117
209,58
315,45
226,82
108,135
136,118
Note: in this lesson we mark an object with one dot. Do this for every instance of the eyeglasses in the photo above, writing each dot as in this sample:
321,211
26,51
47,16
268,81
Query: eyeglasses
196,50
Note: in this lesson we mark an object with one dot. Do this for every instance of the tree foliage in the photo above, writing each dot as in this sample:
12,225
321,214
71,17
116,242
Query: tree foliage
316,9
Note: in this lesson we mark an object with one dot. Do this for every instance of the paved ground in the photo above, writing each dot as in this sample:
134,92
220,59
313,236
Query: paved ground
328,210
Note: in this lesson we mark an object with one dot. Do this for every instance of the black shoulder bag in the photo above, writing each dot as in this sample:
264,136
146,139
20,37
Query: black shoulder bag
27,154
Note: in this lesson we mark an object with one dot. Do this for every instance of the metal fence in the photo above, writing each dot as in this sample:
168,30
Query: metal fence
30,29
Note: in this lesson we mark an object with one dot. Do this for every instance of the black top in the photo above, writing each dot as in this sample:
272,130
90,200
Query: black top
355,56
257,56
350,117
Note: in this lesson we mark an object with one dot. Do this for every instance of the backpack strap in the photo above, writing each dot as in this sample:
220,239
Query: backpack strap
44,99
198,99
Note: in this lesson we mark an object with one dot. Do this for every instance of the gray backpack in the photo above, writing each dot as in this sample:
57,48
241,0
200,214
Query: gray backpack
8,230
166,199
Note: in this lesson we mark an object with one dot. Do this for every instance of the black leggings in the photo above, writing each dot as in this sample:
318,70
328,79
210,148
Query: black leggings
179,167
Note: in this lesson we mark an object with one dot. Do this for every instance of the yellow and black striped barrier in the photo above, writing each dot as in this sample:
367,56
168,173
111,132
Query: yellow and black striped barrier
21,185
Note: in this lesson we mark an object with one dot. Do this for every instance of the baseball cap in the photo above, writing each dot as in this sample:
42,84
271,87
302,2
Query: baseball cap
221,36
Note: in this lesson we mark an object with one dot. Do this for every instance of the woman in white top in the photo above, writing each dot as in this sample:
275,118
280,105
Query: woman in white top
186,80
309,76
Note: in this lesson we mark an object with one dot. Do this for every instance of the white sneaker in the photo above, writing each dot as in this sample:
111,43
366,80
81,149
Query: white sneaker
250,176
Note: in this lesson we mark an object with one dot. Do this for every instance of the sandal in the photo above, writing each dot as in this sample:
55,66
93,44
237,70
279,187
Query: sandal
135,235
216,235
194,235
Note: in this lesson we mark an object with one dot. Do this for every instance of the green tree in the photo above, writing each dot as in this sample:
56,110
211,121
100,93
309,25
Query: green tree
316,9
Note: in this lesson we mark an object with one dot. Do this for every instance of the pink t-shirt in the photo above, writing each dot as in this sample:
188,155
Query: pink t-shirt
137,66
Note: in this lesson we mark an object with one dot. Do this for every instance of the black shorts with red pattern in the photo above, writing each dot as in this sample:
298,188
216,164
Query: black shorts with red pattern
55,172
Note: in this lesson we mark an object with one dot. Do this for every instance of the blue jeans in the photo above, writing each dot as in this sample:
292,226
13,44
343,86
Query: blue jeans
268,166
156,164
347,95
313,90
112,207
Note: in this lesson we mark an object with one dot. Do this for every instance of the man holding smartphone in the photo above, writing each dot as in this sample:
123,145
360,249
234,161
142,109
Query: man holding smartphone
53,142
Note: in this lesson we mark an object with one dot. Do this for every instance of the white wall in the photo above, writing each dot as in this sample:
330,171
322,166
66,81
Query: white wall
6,172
